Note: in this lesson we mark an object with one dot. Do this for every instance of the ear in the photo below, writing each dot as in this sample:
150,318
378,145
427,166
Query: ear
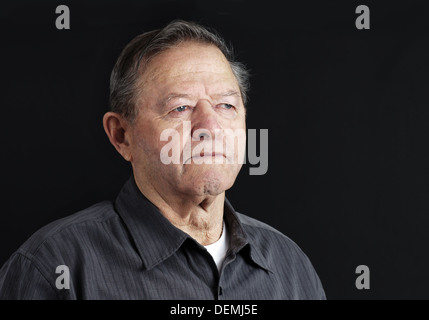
118,130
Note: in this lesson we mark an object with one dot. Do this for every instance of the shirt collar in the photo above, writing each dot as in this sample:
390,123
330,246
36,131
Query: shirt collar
240,239
156,238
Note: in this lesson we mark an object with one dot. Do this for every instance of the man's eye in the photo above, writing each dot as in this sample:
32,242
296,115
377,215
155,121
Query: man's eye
227,106
181,108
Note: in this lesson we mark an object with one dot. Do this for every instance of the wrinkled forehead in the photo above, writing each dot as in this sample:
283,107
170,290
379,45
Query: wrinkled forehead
185,62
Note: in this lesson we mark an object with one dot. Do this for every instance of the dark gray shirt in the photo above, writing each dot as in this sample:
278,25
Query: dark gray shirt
128,250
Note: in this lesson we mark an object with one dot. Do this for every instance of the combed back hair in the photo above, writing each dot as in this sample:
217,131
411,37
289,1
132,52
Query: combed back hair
136,55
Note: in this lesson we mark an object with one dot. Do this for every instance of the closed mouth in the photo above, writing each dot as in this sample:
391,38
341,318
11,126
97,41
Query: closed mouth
205,155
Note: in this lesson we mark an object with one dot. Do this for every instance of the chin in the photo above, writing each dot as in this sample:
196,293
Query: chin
212,182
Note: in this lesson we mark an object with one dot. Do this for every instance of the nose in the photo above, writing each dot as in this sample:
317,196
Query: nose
205,121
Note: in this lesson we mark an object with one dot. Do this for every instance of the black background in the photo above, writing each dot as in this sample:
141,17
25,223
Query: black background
346,109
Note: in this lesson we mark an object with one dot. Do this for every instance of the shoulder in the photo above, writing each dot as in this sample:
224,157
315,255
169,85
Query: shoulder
31,271
285,258
272,243
63,231
264,234
250,222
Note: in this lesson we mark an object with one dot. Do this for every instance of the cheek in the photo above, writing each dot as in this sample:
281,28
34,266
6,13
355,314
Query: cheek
240,121
153,140
146,140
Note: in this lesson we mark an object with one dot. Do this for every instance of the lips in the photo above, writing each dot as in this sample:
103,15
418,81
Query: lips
209,154
203,154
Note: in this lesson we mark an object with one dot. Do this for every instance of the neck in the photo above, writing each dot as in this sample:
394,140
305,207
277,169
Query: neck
199,216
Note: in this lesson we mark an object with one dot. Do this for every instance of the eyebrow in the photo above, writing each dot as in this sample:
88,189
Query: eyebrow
230,93
163,102
175,95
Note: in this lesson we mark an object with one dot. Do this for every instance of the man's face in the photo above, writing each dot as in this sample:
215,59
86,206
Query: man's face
189,86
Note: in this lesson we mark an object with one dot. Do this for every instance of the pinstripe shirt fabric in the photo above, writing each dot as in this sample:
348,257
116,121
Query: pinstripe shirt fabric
126,249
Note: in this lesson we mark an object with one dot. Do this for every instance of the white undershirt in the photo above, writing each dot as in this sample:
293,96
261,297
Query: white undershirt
219,248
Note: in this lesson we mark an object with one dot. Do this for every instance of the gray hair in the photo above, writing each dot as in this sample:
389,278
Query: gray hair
137,54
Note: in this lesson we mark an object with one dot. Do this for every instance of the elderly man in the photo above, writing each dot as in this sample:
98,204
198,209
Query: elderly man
170,233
